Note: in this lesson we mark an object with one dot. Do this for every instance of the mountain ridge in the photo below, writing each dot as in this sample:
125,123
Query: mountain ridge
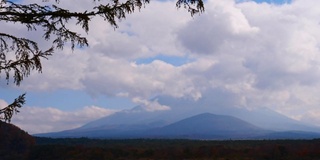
138,119
210,125
201,126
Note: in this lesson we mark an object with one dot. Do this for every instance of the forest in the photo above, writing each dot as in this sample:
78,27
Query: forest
102,149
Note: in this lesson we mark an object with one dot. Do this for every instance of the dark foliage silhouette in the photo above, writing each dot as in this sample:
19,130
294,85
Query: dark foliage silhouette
14,142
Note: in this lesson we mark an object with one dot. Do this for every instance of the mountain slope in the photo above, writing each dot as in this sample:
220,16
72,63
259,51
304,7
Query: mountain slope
182,108
261,116
127,118
202,126
138,119
209,125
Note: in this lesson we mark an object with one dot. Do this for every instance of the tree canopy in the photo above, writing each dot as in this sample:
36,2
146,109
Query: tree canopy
52,19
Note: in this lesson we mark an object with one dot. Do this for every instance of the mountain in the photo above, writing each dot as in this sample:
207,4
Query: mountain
210,126
130,117
269,119
202,126
138,121
260,116
182,108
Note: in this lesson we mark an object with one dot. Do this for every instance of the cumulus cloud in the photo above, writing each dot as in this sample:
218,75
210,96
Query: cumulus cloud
221,28
142,80
42,120
282,44
260,45
262,55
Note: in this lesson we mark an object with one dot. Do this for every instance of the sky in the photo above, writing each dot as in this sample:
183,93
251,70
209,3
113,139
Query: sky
264,52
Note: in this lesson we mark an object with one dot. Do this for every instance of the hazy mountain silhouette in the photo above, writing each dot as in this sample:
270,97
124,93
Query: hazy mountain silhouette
139,122
182,108
202,126
211,126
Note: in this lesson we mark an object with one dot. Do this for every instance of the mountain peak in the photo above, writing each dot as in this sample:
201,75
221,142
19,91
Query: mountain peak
187,117
212,125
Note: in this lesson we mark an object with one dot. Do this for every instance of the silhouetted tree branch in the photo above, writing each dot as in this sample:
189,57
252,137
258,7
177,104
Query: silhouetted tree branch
7,112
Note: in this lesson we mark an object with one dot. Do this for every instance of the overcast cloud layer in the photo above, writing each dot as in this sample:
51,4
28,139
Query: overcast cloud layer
264,55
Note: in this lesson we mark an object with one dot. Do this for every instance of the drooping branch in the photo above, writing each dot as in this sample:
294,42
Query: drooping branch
193,6
53,19
27,57
7,112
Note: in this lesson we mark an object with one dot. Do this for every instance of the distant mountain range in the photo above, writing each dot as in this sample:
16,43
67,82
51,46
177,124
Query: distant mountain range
194,120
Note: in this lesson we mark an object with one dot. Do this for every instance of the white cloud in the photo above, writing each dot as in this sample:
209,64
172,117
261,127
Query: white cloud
150,106
221,29
311,117
42,120
262,55
274,62
61,71
142,80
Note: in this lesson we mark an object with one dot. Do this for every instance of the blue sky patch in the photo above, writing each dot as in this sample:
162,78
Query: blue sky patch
173,60
72,99
274,1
